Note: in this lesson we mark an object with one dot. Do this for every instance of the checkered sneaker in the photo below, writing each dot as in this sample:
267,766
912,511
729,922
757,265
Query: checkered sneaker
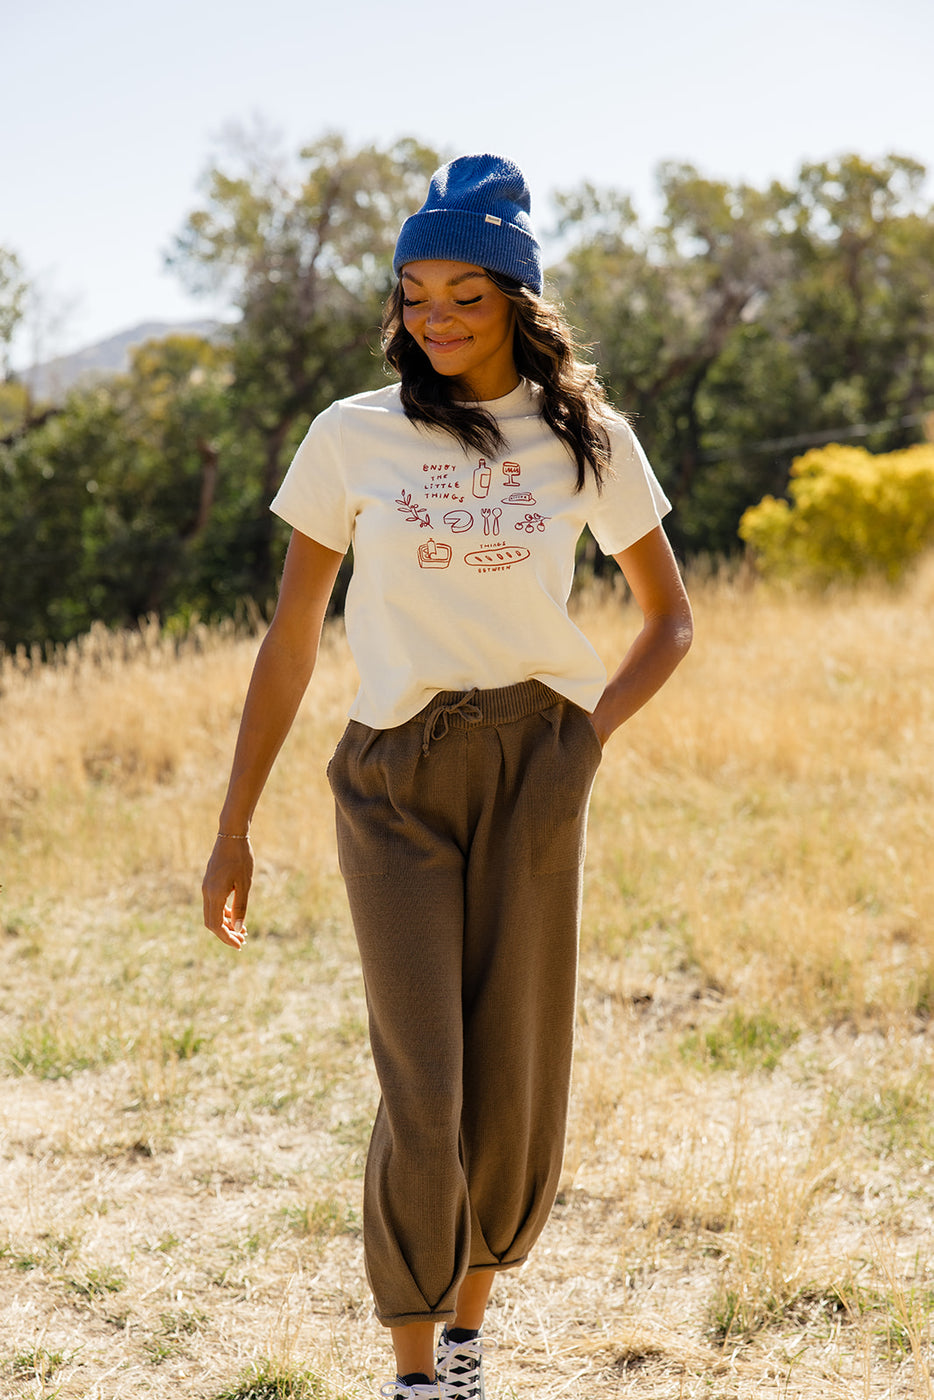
459,1367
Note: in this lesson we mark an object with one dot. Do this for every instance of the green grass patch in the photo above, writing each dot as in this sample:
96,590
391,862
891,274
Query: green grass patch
183,1323
23,1262
900,1116
899,1320
175,1329
739,1042
322,1220
37,1363
159,1349
183,1046
269,1380
50,1052
738,1313
97,1283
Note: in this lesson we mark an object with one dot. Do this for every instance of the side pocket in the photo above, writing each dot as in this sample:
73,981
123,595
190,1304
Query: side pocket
595,736
361,801
560,782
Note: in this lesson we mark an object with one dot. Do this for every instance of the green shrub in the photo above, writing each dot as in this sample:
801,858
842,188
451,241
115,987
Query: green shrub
851,514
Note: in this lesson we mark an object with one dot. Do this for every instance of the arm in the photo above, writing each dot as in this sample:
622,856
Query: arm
652,573
280,678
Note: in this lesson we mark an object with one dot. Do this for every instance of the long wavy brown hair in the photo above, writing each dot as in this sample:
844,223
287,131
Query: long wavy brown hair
545,351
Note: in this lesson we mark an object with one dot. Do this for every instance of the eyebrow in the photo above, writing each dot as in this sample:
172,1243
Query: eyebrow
454,282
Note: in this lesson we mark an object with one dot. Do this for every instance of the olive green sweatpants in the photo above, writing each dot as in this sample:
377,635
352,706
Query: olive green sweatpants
461,841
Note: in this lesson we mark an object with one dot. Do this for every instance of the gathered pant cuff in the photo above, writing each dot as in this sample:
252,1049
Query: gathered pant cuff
403,1319
447,1314
498,1265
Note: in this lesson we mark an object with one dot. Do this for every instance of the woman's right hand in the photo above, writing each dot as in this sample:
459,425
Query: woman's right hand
225,889
281,672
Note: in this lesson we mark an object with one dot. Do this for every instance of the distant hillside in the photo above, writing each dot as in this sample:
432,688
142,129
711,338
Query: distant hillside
50,381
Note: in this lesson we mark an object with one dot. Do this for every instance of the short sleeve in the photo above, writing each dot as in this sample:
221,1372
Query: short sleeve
632,502
313,497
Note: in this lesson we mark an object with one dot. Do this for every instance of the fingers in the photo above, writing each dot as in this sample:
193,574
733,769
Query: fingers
233,929
225,901
230,928
225,891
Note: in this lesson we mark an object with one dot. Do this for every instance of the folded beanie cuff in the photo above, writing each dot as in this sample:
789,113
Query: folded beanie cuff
480,239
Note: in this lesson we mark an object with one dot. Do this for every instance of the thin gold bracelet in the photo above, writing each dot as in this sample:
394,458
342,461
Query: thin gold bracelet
232,836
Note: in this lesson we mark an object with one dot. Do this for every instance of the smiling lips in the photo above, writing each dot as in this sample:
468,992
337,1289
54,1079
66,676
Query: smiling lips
452,343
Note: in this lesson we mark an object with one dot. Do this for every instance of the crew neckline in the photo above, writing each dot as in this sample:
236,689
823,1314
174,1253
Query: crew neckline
521,396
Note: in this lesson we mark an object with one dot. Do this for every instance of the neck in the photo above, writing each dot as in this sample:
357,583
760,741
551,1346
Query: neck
464,392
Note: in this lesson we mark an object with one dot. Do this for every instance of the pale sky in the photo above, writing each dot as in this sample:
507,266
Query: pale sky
110,112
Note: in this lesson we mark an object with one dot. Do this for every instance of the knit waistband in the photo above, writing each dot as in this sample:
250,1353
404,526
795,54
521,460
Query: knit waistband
468,709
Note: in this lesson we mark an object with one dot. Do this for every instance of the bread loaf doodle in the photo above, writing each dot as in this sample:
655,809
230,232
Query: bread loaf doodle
496,558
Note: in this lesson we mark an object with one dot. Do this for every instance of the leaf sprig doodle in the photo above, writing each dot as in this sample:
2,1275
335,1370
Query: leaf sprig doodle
417,514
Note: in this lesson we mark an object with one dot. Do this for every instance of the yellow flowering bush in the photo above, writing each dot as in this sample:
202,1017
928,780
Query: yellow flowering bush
851,514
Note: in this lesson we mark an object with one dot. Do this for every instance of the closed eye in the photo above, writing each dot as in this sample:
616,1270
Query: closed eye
472,302
409,301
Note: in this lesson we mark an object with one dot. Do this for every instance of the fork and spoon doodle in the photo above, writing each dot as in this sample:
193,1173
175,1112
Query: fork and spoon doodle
491,518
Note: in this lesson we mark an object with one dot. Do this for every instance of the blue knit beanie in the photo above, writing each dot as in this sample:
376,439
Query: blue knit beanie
477,211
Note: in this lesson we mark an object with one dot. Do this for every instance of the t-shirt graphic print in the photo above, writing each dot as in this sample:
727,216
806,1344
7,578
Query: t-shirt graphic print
462,566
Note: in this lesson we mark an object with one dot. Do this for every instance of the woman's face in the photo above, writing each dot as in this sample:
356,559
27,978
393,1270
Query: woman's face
463,323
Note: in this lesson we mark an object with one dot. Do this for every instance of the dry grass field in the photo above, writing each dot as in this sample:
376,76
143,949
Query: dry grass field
748,1202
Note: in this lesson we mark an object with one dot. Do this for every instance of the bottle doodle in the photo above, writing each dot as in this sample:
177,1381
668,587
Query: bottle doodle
482,478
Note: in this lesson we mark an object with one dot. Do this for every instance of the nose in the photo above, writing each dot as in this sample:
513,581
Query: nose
439,312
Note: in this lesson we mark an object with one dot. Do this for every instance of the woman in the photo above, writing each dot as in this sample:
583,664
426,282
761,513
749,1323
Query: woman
463,778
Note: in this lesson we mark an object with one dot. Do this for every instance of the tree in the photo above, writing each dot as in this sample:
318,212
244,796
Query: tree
746,318
13,291
305,256
108,509
162,499
666,304
862,236
49,520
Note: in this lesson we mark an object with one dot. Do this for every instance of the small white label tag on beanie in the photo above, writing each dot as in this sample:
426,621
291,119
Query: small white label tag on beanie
492,219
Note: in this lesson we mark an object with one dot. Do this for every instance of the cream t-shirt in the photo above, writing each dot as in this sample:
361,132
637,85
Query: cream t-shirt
462,566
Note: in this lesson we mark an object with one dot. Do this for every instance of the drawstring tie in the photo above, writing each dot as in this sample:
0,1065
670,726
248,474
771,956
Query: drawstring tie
437,722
